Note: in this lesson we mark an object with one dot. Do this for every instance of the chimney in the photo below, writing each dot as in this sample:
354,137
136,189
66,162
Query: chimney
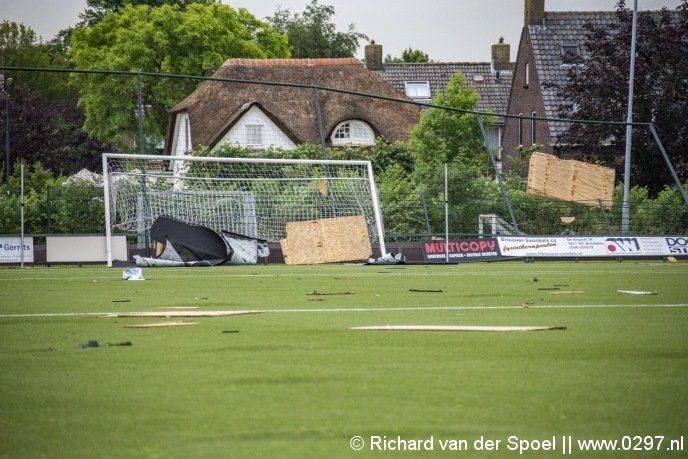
373,56
501,55
534,12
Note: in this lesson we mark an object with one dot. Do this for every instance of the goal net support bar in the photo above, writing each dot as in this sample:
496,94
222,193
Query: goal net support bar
255,197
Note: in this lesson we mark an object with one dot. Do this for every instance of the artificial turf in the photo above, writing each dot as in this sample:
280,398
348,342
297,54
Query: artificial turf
293,381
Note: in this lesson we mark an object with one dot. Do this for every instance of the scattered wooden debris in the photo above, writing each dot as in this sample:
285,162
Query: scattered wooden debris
168,314
636,292
570,180
459,328
566,292
316,293
163,324
329,240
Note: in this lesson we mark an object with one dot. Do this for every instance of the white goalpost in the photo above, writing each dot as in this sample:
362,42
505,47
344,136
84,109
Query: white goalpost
255,197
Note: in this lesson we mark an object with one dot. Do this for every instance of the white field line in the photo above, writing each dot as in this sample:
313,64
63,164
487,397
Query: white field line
61,274
385,274
397,309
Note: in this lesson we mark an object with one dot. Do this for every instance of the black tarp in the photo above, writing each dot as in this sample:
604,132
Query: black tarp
187,244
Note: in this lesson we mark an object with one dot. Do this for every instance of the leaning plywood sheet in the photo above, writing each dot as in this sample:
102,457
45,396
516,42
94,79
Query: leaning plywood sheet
570,180
329,240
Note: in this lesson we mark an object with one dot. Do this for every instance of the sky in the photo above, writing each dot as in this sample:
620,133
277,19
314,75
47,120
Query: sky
447,30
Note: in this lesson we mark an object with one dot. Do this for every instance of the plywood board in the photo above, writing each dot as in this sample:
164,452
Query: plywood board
330,240
570,180
181,313
162,324
460,328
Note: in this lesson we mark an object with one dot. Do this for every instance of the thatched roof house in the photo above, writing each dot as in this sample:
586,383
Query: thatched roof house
261,115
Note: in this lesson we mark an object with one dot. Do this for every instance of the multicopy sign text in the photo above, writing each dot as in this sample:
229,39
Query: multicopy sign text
461,250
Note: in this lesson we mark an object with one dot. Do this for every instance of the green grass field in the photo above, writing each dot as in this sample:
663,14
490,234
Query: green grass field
295,382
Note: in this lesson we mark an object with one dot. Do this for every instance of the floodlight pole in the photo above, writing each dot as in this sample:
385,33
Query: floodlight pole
446,213
5,83
139,115
21,213
625,210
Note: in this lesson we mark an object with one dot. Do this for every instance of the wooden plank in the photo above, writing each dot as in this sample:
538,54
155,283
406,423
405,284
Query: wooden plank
460,328
570,180
180,313
329,240
162,324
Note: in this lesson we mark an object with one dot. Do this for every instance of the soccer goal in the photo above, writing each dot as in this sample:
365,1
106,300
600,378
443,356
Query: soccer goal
255,197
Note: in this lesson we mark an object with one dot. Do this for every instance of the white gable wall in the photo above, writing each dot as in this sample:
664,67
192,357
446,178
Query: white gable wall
256,130
181,142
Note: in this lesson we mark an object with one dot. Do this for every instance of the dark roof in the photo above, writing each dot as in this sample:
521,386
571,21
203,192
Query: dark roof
559,29
493,88
215,106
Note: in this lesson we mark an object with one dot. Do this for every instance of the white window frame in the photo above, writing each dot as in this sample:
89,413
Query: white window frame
418,89
352,132
254,135
570,50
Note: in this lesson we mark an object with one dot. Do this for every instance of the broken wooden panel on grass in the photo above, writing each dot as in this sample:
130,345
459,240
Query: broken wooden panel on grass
460,328
330,240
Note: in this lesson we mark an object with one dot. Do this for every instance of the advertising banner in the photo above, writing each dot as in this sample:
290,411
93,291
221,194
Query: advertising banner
461,250
593,246
11,249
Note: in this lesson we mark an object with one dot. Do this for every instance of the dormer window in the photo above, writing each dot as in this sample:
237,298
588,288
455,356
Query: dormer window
418,89
353,132
569,51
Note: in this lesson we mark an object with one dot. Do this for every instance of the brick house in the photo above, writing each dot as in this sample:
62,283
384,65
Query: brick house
549,41
422,81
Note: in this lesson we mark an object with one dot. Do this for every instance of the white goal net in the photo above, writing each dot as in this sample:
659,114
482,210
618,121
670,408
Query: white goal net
251,196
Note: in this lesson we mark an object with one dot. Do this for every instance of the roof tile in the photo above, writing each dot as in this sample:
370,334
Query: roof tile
559,28
493,90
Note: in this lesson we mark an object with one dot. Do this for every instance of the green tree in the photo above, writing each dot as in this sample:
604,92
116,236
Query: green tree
21,47
52,204
598,89
193,41
409,55
45,124
452,136
98,9
312,34
444,135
